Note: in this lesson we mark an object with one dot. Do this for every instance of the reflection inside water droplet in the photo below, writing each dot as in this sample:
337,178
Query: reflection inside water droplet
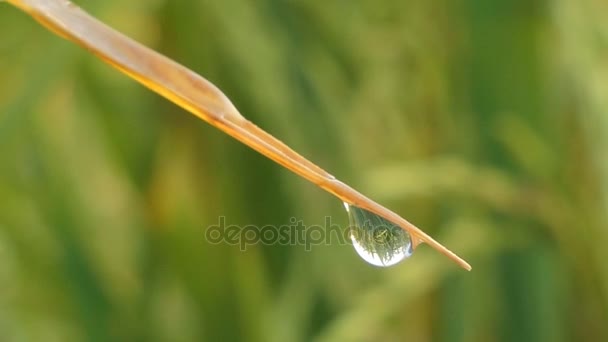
376,240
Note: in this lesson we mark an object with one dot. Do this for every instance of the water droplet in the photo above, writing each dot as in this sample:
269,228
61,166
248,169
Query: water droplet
376,240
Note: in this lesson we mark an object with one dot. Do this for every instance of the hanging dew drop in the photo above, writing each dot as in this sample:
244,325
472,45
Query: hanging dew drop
376,240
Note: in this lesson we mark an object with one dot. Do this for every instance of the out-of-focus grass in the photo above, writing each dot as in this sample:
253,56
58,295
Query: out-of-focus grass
485,122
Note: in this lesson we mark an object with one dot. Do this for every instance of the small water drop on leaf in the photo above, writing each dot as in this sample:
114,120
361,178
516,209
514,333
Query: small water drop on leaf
377,240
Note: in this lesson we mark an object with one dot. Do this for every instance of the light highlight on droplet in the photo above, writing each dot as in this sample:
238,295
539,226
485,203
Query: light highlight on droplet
376,240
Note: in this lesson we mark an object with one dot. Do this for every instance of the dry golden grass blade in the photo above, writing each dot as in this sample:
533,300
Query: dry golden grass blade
198,96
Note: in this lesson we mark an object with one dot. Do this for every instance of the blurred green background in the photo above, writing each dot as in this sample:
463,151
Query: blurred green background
484,122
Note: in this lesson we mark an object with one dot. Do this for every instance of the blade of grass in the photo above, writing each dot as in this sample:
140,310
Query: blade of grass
200,97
